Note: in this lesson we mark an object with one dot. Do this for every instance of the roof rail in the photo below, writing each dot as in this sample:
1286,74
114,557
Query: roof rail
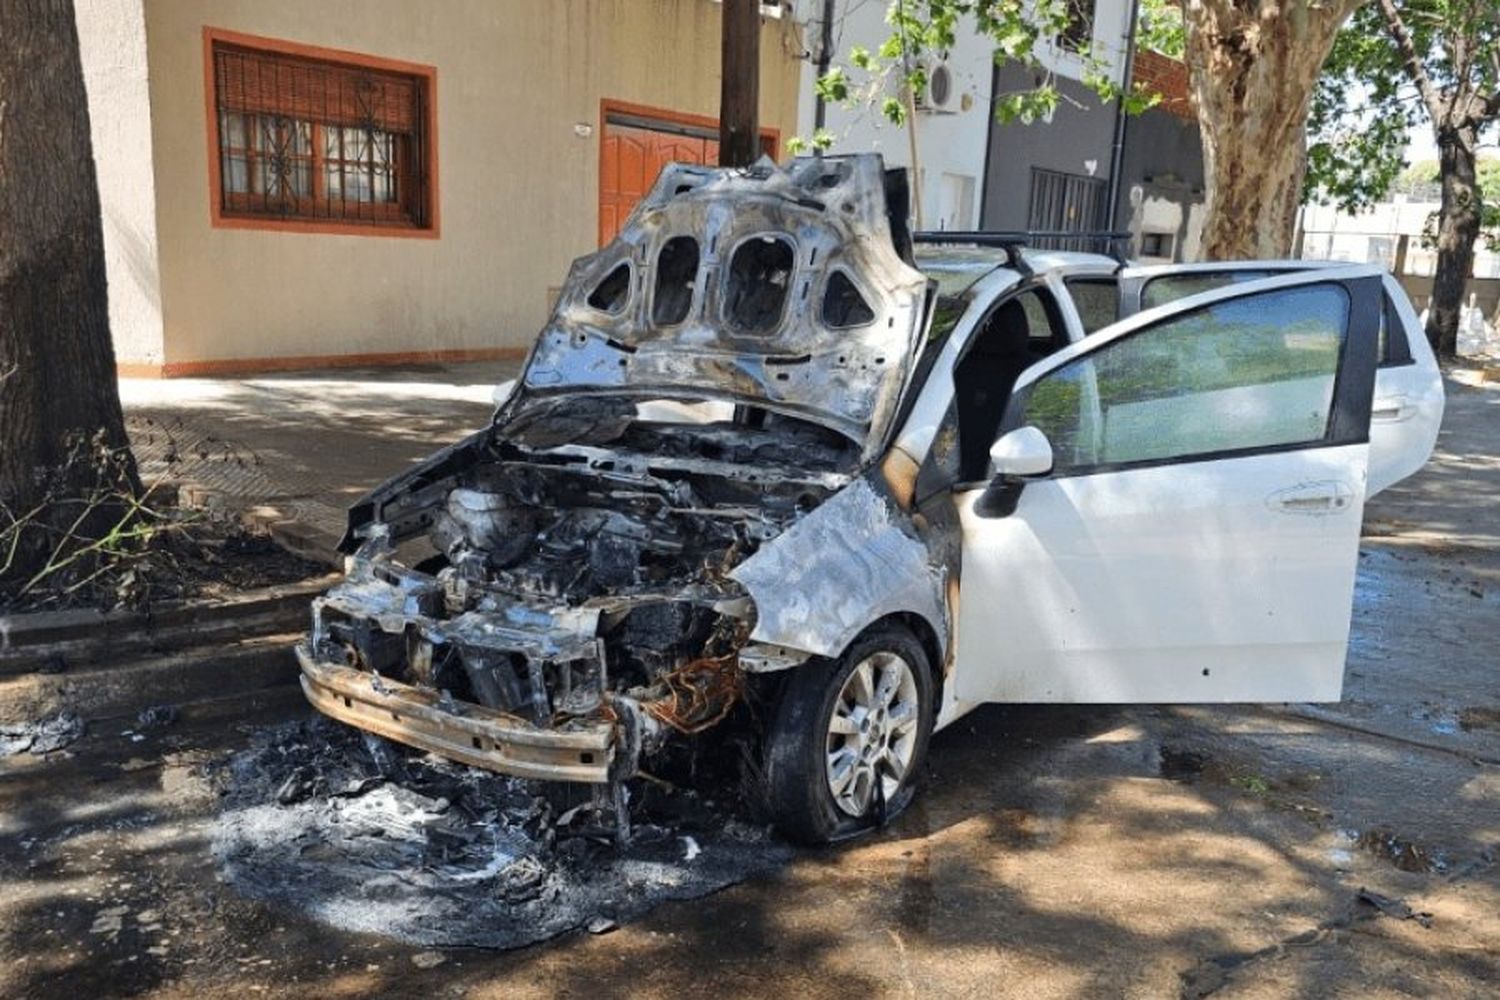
1011,241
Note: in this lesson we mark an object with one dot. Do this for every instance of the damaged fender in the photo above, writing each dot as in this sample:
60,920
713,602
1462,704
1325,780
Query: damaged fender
849,563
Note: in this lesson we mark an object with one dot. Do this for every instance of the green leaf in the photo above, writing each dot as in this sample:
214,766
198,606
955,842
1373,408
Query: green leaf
833,86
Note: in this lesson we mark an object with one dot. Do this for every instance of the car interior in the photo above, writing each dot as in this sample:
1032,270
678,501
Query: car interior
1021,331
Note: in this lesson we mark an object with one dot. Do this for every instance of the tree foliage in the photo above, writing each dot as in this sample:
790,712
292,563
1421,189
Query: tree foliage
1160,28
1367,100
1400,62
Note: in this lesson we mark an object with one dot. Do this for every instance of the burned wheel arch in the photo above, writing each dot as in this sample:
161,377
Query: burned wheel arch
854,561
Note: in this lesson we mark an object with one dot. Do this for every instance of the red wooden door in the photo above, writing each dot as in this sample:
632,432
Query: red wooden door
633,150
630,160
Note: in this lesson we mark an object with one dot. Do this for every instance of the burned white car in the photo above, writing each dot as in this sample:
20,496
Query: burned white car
772,452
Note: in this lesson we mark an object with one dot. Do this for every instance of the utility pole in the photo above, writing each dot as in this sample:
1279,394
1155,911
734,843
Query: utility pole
825,59
739,93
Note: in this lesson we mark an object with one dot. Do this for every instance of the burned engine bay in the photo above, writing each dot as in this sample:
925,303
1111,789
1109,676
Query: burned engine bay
566,575
558,594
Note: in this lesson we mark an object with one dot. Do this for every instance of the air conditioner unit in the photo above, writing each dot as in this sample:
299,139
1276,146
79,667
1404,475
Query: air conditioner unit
939,95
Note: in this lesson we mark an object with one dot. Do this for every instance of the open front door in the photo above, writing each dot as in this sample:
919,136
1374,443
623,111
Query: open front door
1196,538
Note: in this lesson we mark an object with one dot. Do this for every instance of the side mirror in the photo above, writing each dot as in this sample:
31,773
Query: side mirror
1021,454
503,392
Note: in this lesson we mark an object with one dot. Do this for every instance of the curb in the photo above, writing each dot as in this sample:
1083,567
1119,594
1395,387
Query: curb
181,679
49,642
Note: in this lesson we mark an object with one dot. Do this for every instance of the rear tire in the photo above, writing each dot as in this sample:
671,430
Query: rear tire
849,738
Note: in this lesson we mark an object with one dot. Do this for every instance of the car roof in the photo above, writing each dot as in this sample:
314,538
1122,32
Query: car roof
949,256
957,267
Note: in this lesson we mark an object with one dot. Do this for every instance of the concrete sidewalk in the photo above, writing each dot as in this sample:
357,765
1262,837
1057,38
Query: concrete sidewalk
293,451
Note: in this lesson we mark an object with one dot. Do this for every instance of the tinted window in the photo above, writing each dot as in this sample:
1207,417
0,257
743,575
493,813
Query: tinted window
1392,347
1098,303
946,312
843,305
1254,372
611,293
1044,327
1171,287
755,289
676,271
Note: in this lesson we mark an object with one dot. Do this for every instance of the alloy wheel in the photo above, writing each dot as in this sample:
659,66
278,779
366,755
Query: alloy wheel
872,733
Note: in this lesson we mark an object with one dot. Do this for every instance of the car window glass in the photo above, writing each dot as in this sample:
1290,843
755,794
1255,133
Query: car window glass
1391,346
755,290
1097,302
1043,325
676,272
1171,287
1253,372
1037,322
1015,335
610,294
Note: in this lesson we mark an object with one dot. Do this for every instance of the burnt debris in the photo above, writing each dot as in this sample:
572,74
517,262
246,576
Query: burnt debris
44,736
440,855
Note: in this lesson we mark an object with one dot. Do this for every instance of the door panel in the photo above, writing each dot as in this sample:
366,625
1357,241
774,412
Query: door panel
1408,409
1198,537
1176,583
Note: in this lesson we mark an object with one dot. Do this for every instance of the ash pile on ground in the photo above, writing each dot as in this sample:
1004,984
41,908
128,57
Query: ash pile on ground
42,737
365,836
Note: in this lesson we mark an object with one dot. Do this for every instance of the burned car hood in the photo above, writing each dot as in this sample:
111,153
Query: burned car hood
790,289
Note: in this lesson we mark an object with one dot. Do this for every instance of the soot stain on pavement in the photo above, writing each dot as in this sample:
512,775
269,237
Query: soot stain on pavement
369,839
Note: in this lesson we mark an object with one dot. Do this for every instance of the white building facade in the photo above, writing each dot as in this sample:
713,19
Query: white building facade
951,130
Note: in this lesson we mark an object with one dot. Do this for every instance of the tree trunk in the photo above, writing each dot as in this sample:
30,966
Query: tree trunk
1253,67
57,367
1459,219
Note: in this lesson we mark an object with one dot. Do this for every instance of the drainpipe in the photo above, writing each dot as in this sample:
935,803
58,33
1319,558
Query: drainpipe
1117,150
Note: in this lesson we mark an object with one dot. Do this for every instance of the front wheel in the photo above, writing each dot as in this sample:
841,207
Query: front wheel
849,738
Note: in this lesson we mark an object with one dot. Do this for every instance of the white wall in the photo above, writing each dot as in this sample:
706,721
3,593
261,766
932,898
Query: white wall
950,146
950,143
112,44
1371,236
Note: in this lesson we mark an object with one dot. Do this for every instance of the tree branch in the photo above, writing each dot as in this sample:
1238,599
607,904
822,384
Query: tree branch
1413,58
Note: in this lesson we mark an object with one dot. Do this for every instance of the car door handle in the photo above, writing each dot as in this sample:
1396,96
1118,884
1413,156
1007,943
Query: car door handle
1391,409
1328,496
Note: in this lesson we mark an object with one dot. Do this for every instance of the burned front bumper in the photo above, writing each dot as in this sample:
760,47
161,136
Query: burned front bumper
469,733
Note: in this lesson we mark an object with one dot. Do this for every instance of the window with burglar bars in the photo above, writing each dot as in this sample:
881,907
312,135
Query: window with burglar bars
1066,203
309,140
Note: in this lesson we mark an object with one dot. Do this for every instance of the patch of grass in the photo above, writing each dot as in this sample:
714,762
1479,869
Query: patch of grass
1252,783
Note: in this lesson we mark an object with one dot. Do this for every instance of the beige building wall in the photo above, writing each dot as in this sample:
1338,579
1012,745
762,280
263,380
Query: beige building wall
112,46
518,185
